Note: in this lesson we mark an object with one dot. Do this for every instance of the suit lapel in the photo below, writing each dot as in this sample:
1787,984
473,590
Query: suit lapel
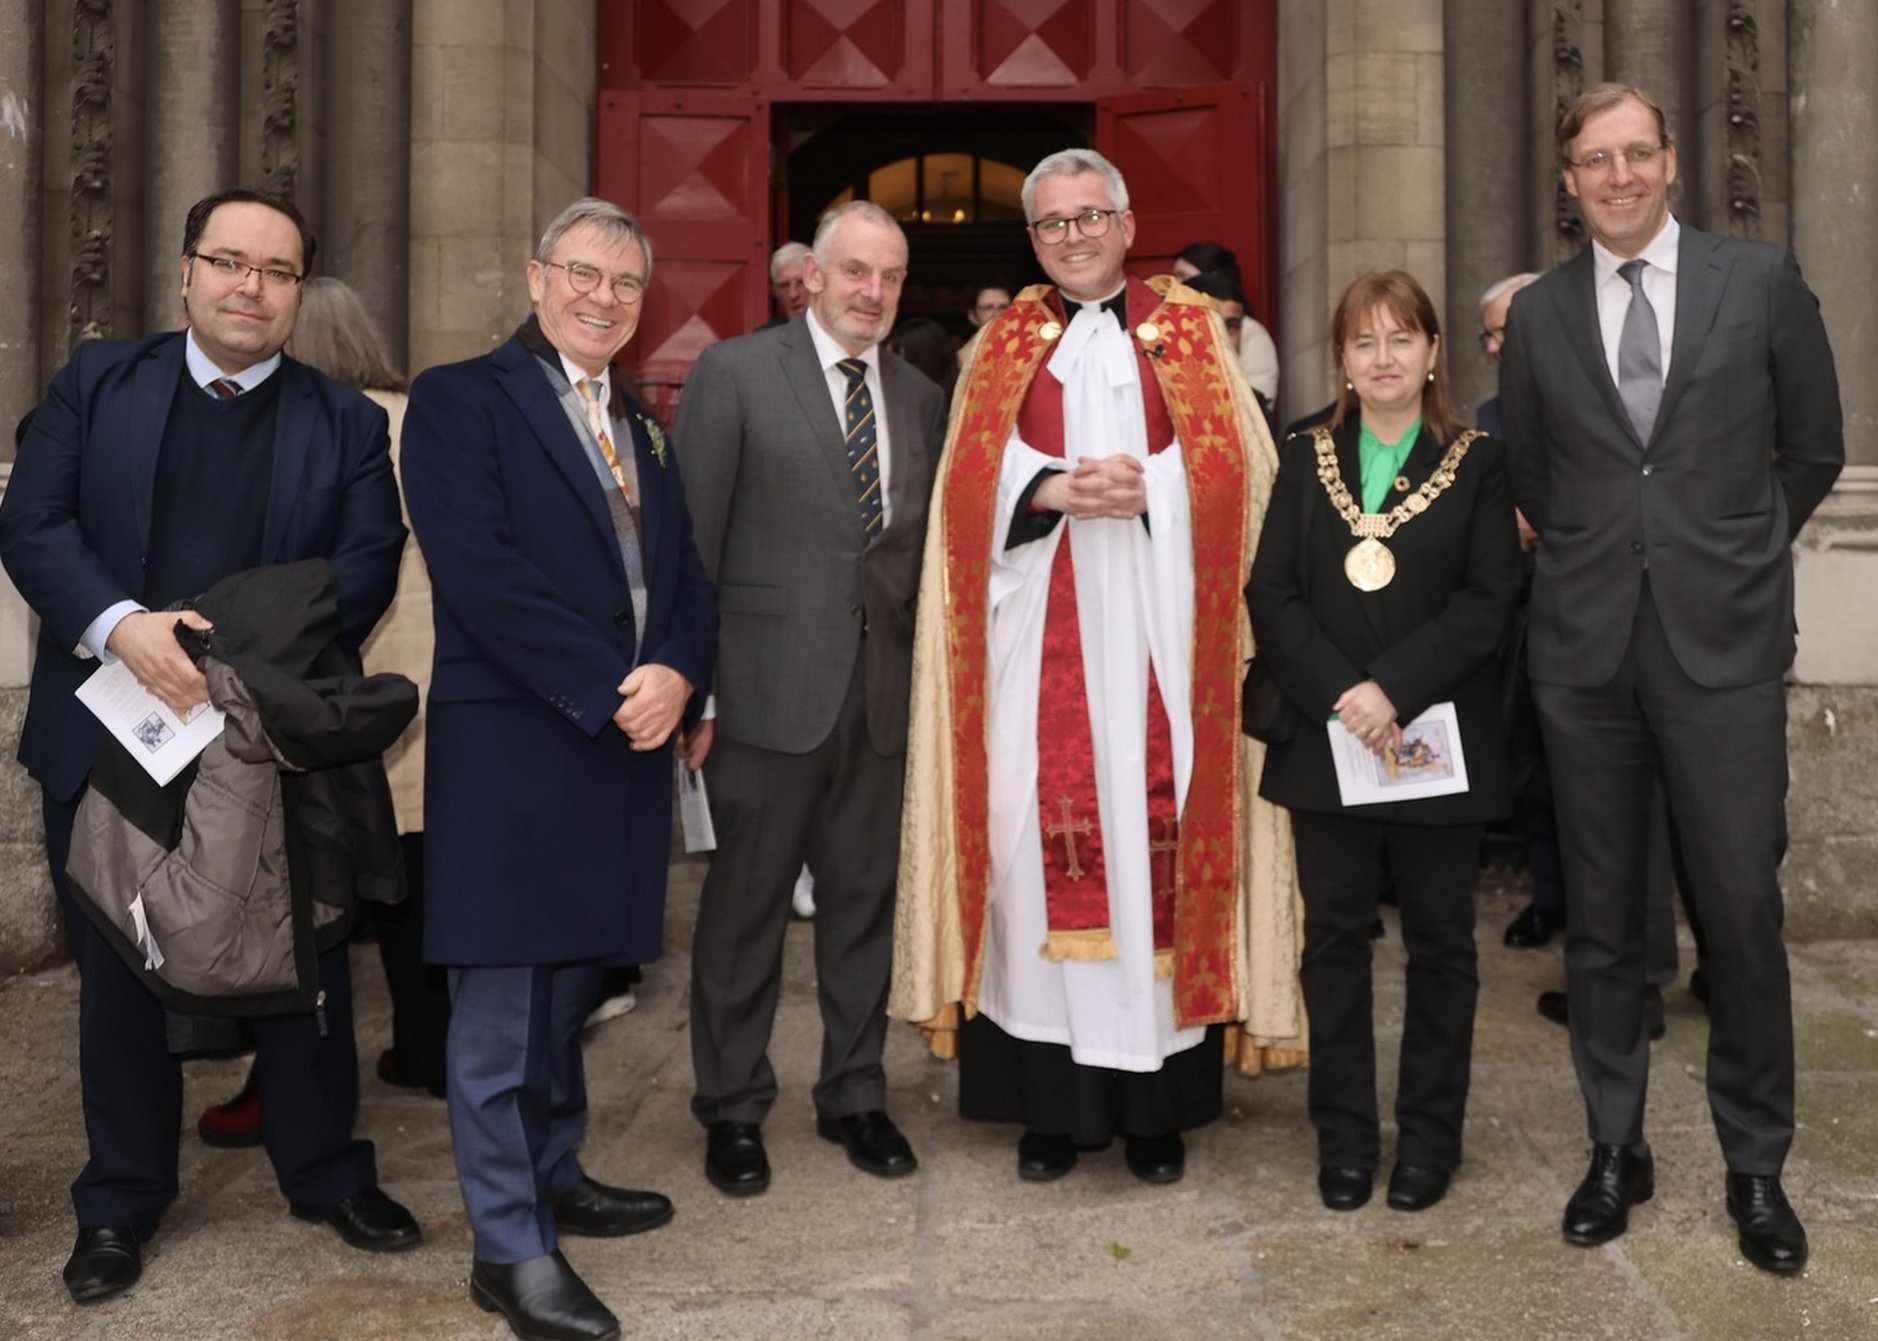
897,414
137,421
1701,275
1577,309
806,378
528,387
651,482
295,416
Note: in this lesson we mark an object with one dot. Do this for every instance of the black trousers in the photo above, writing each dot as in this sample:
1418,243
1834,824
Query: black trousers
132,1085
1006,1079
420,992
1723,756
1341,860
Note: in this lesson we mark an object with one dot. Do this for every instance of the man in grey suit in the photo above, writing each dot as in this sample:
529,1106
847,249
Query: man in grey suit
1671,402
808,453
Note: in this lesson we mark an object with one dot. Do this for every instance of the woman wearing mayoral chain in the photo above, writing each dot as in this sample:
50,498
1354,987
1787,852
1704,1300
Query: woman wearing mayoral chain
1383,584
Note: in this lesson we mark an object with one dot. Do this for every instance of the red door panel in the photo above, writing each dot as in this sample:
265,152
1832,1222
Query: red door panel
1197,170
693,168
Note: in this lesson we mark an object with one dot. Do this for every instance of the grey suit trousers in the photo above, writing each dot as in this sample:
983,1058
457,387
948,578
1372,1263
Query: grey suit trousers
1724,769
838,808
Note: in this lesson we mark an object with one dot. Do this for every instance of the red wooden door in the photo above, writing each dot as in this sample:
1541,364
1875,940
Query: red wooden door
1197,167
694,169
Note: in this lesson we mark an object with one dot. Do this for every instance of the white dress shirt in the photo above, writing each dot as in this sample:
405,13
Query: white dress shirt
1659,285
828,354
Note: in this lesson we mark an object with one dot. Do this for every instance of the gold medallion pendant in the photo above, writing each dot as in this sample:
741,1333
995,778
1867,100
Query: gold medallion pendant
1369,565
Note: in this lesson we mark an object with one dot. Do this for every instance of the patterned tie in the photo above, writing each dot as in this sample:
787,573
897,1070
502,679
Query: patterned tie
597,421
1639,355
862,435
225,388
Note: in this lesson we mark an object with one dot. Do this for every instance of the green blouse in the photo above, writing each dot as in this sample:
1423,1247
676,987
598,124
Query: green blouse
1382,461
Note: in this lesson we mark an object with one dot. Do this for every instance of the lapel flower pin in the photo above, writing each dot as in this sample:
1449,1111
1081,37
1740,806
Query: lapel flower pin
657,436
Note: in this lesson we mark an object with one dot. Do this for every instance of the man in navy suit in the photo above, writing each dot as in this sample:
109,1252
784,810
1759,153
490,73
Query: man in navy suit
574,620
153,469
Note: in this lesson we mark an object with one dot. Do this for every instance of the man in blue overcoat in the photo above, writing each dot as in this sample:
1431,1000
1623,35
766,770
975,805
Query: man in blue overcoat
574,620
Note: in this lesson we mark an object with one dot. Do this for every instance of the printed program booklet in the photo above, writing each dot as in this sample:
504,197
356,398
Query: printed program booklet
1430,761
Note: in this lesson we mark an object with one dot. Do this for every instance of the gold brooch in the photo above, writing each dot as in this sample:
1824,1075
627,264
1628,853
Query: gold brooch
1147,332
1050,330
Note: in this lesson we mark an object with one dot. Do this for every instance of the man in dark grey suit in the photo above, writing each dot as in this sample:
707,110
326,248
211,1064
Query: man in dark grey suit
808,454
1671,402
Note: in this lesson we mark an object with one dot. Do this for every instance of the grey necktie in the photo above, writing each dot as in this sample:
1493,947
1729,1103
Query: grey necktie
1639,355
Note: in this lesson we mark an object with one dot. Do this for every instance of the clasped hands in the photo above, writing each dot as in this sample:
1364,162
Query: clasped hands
1367,714
654,698
1097,486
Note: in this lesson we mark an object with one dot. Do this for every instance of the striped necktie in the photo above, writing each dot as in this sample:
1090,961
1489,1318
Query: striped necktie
225,388
597,421
862,435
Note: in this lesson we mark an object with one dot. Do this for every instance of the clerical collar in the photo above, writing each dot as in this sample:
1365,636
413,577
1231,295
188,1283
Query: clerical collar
1116,302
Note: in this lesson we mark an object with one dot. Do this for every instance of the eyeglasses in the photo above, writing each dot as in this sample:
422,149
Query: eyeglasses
237,272
1090,223
1494,335
584,279
1603,160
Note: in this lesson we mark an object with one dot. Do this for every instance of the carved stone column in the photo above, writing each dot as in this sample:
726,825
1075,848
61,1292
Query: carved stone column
94,72
1485,59
1651,44
22,135
367,234
191,149
1566,55
1833,51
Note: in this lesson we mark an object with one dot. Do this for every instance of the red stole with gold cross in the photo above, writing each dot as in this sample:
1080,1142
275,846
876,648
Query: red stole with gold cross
1182,372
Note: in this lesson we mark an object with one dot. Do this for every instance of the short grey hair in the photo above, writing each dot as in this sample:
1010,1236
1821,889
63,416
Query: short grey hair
787,254
1070,163
1511,284
865,209
614,223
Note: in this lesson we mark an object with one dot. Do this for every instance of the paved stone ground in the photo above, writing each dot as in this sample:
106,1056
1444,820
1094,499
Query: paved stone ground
1241,1248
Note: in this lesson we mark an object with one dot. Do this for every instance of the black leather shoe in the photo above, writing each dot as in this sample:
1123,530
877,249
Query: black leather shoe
1413,1189
105,1261
874,1144
1553,1006
1770,1233
1600,1209
368,1220
543,1300
1533,927
734,1160
1156,1159
1344,1189
604,1212
1043,1158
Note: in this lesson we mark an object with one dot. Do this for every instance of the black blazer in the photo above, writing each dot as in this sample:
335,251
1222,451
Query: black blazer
1746,443
1432,634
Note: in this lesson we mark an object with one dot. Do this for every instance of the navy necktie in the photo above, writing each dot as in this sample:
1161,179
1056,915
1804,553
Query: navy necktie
862,435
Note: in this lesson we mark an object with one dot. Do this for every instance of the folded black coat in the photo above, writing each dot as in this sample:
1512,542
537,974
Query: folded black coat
222,887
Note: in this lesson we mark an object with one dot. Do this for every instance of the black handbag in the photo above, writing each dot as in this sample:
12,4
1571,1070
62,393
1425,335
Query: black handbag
1264,711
